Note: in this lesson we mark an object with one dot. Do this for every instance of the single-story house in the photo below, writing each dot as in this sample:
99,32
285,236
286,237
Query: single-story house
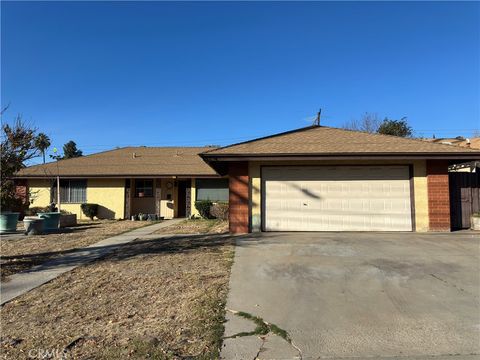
151,180
315,178
320,178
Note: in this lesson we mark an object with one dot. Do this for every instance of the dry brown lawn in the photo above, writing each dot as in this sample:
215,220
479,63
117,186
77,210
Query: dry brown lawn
196,226
158,298
21,253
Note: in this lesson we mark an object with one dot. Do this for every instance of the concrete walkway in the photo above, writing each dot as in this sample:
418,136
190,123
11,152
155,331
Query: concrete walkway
23,282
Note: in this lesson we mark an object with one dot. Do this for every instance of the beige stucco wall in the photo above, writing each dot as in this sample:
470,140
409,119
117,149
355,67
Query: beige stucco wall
108,193
39,192
193,196
421,195
419,181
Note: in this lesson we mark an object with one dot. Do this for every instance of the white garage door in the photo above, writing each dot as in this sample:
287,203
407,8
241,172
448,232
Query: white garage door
336,198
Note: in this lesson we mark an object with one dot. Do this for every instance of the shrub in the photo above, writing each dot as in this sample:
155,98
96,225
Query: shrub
219,210
90,210
203,207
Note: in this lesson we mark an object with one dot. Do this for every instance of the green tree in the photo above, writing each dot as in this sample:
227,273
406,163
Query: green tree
395,127
42,143
70,150
18,145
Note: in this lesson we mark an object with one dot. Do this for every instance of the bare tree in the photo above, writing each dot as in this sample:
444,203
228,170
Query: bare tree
370,122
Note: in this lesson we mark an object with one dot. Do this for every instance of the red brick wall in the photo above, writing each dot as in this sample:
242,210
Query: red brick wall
238,197
21,192
438,195
21,189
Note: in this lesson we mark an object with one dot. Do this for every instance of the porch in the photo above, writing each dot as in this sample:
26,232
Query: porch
171,197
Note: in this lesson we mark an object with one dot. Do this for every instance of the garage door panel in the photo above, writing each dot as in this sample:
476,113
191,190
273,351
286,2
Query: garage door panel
341,198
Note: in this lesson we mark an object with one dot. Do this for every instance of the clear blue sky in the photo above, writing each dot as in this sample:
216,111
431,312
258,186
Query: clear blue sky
111,74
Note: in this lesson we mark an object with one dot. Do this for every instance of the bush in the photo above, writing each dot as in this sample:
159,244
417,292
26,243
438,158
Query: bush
203,207
90,210
219,210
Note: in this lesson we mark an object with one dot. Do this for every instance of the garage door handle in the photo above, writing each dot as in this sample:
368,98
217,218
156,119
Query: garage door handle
305,204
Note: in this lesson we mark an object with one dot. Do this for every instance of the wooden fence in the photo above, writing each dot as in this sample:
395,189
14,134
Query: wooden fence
464,198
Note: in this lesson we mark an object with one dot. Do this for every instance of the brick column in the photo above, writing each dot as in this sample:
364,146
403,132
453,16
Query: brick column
238,198
438,195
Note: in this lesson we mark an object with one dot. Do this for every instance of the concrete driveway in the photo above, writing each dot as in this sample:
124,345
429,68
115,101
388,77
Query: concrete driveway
361,295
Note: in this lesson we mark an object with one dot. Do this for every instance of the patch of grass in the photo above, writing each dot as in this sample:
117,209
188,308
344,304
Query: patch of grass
21,253
210,322
280,332
196,226
171,289
262,327
139,349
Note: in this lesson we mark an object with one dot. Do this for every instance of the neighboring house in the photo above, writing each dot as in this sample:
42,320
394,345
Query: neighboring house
472,143
326,179
153,180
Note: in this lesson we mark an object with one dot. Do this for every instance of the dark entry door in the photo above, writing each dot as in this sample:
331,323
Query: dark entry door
464,198
182,198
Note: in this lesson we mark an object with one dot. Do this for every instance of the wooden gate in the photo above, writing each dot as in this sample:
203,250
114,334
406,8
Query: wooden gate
464,198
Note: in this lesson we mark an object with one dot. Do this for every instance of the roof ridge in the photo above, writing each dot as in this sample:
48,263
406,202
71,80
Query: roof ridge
312,127
82,156
395,137
264,137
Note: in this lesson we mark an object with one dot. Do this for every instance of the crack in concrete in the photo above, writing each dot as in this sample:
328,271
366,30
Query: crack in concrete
261,348
262,329
450,284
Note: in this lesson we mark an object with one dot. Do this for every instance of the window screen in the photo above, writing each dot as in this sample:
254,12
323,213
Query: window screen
212,189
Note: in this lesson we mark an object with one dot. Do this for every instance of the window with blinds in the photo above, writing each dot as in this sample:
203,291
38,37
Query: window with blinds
71,191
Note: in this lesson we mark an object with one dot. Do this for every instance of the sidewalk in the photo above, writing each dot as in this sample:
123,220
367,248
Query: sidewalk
23,282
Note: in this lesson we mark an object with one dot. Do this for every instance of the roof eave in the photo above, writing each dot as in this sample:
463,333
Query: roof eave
107,176
338,156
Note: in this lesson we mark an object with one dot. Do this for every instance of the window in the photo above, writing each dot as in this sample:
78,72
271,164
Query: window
143,188
71,191
212,189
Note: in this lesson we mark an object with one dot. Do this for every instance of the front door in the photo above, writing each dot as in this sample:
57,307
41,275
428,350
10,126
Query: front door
182,197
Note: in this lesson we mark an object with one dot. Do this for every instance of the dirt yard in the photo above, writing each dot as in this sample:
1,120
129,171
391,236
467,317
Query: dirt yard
21,253
197,226
157,298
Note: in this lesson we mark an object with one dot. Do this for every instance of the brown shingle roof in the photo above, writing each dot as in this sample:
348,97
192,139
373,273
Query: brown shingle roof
148,161
322,140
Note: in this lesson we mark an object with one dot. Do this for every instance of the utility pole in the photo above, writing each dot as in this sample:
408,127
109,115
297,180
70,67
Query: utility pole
58,182
317,120
58,193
